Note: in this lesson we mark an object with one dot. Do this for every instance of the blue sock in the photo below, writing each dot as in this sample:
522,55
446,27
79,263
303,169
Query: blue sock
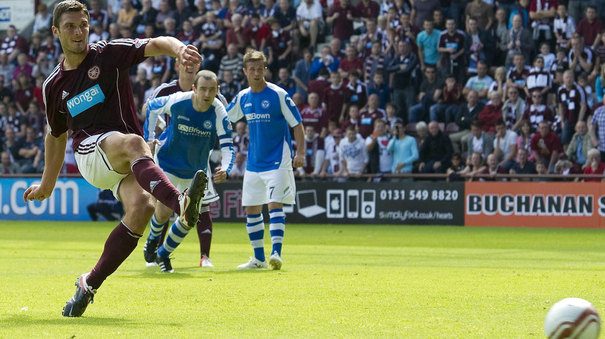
175,236
155,228
256,231
277,226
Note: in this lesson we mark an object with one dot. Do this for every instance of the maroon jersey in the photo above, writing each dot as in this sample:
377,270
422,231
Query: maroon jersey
315,117
455,41
335,100
166,89
97,96
366,121
318,86
519,78
313,147
369,10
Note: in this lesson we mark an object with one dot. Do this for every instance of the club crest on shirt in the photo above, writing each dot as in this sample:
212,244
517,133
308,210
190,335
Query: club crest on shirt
207,124
265,104
93,72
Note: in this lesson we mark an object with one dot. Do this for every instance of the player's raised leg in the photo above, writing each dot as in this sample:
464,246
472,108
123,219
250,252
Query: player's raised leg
120,243
130,153
179,230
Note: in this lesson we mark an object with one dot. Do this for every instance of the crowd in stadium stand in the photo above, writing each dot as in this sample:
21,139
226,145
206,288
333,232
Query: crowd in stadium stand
464,87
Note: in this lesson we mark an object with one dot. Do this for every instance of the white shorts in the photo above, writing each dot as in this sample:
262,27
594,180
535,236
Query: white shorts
94,165
180,183
261,188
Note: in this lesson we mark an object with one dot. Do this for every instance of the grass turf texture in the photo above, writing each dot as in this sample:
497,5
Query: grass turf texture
337,280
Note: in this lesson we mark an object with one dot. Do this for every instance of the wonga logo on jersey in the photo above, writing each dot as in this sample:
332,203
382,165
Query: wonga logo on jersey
85,100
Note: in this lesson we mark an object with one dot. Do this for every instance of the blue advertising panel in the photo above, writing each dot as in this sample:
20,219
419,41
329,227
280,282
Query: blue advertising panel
68,201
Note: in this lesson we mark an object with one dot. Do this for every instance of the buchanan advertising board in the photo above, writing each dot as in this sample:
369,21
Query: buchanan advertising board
535,204
410,203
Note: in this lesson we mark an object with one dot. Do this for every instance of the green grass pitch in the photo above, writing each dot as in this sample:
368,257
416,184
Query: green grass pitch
337,280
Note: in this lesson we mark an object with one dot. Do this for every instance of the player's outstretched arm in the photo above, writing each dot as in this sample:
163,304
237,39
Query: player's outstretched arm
53,161
167,45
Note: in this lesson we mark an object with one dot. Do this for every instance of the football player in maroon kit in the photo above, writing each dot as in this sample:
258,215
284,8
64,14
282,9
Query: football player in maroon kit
89,93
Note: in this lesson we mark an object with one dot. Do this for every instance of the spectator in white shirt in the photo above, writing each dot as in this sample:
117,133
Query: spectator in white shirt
353,154
505,146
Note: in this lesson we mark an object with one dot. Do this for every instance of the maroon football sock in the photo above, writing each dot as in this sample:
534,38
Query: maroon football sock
204,232
164,231
120,243
153,180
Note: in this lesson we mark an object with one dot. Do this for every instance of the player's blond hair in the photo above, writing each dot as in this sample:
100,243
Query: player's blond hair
65,7
253,55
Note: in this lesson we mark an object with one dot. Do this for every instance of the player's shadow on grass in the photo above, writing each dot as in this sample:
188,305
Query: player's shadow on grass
160,275
24,320
197,271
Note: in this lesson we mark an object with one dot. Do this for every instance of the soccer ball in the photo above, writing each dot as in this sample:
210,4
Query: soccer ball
572,318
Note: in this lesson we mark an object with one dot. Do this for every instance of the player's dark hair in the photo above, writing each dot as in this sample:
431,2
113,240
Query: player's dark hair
65,7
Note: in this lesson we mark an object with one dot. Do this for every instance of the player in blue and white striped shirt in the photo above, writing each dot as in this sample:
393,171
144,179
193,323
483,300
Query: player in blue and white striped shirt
269,178
197,118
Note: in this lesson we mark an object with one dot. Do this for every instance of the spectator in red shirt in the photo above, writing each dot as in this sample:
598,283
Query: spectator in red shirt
24,92
352,119
340,17
590,26
280,46
351,61
491,113
314,115
187,34
320,84
336,97
235,34
594,165
358,90
369,115
23,66
546,146
367,9
257,32
315,153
